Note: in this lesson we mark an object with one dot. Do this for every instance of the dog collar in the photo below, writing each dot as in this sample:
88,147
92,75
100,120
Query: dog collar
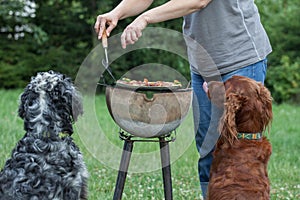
62,135
249,136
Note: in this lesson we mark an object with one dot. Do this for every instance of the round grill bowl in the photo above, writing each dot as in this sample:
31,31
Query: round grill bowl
150,113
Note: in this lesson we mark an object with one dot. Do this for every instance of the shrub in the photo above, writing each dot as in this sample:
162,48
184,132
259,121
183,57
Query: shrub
284,80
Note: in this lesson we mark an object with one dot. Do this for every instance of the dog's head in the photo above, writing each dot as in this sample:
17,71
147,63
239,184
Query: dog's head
50,104
247,105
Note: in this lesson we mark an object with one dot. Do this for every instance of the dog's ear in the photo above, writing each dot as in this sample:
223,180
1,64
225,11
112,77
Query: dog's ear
77,108
26,99
228,126
265,105
71,97
22,102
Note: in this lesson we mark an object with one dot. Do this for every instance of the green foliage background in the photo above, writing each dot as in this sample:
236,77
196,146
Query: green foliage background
60,34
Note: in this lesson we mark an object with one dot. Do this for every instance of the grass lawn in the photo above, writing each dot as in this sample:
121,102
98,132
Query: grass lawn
102,150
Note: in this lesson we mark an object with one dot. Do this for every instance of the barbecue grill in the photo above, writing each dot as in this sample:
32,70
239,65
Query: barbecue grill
147,114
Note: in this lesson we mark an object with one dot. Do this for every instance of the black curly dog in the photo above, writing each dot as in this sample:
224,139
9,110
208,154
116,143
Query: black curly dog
46,163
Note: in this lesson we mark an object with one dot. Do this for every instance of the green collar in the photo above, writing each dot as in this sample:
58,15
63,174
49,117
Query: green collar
62,135
249,136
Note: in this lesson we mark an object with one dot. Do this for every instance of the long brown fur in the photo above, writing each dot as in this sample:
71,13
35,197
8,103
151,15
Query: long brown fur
239,168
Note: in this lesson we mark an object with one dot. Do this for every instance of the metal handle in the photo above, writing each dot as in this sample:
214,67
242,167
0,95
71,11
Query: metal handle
149,99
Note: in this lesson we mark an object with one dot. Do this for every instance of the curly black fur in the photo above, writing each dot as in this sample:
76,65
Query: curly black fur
44,165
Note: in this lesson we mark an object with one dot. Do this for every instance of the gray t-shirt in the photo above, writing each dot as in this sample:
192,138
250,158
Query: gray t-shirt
225,36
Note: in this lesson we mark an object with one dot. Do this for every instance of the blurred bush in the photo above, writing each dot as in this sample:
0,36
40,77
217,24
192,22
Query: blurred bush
284,80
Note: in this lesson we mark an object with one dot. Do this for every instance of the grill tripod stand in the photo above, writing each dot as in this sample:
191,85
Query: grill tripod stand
125,160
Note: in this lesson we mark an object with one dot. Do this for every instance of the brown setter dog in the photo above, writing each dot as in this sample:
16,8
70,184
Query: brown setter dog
239,168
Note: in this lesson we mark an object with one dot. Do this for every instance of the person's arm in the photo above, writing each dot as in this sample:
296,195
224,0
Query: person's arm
174,9
129,8
126,8
170,10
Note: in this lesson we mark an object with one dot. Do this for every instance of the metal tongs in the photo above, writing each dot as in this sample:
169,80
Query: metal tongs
105,61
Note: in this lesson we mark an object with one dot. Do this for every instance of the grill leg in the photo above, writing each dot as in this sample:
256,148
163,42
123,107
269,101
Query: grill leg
127,150
166,168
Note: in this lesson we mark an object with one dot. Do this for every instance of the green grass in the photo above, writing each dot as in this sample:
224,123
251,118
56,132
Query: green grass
95,144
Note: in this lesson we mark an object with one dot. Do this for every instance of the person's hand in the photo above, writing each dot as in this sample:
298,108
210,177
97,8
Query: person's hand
205,87
106,21
133,31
